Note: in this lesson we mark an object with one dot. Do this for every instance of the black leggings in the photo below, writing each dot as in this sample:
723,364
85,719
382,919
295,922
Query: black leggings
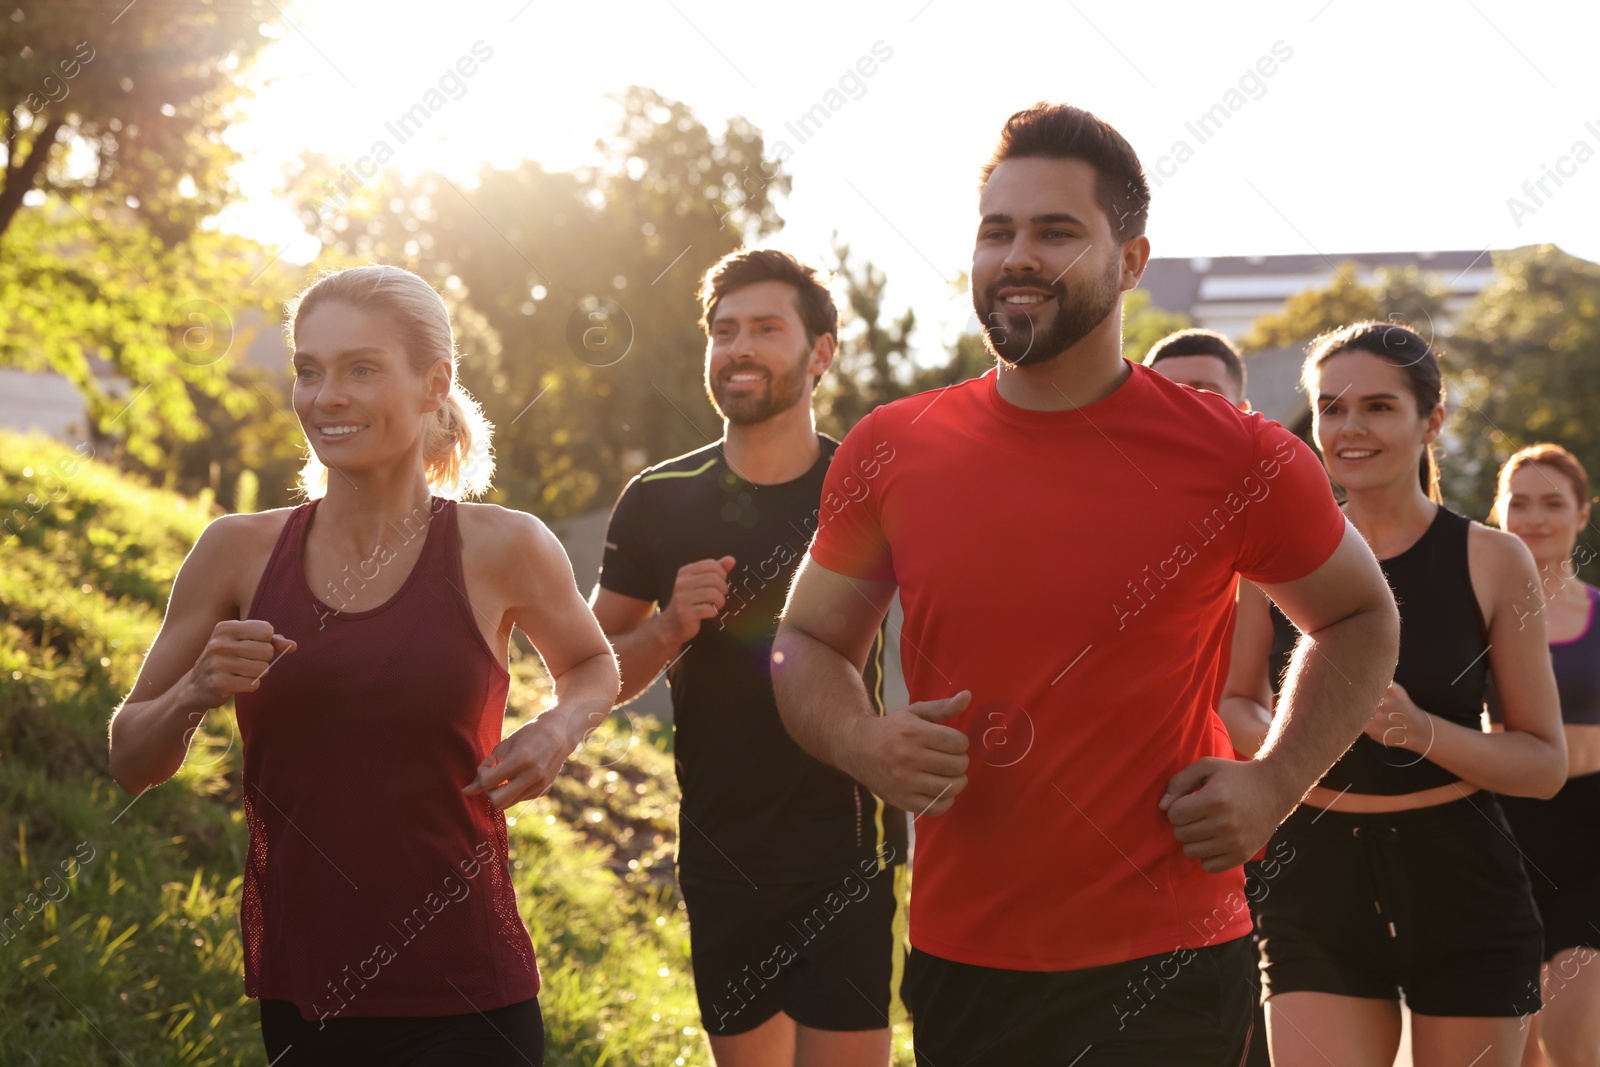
512,1036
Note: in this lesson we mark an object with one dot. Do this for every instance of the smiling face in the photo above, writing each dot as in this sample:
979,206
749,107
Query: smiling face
1046,271
1539,504
359,402
758,361
1366,421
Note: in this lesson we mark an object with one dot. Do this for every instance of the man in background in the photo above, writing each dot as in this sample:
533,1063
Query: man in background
1201,359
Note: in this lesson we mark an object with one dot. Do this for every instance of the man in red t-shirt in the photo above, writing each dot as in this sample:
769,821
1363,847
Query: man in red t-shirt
1204,359
1066,533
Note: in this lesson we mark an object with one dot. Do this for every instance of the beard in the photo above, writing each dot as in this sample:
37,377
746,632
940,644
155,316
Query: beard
1013,336
780,393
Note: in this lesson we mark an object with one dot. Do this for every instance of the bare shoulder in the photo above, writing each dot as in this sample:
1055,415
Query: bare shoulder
233,551
498,535
1499,559
1497,548
245,535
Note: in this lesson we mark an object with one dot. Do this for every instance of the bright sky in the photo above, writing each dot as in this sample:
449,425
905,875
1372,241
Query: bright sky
1381,125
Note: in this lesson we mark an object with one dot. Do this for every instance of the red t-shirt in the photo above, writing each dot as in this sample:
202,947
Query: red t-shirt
1075,570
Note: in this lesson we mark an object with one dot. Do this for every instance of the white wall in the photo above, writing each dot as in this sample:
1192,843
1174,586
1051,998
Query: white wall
43,402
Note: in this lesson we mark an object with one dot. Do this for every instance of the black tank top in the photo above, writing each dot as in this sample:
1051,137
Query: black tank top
1443,663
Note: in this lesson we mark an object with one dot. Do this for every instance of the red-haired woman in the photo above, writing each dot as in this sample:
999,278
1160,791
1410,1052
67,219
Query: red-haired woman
363,636
1543,498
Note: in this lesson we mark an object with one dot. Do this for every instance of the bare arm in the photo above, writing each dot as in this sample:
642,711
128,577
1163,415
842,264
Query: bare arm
1342,664
1529,757
646,641
546,604
641,638
905,757
199,659
1246,704
1225,810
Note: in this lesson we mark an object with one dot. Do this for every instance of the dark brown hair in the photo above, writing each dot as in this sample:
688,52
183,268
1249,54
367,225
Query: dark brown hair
1061,131
749,266
1198,342
1402,347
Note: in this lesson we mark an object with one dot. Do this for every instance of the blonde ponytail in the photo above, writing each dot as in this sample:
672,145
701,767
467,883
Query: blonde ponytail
456,450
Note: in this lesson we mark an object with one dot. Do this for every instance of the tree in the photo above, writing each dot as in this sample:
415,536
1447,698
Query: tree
89,292
126,104
1527,360
1143,324
249,434
874,364
969,358
113,156
1403,296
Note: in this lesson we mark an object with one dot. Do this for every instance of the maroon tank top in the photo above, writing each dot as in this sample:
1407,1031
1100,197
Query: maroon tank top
373,886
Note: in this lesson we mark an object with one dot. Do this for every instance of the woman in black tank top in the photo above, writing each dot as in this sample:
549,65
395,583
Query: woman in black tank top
1404,880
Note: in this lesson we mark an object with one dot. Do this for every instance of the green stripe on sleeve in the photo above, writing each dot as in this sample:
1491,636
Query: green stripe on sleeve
707,465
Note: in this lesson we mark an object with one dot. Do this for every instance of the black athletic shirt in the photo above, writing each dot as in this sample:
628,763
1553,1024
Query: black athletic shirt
755,806
1443,667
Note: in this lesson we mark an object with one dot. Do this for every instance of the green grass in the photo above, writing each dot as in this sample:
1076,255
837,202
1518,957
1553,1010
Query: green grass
123,937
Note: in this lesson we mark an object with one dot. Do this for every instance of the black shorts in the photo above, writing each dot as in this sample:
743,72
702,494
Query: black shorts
1560,840
512,1036
1188,1008
1432,903
1258,878
822,952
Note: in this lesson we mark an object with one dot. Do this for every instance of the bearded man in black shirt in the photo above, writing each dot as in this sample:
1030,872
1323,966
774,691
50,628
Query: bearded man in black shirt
789,869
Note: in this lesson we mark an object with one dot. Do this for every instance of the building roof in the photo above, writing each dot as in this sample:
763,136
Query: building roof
1174,283
1228,293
